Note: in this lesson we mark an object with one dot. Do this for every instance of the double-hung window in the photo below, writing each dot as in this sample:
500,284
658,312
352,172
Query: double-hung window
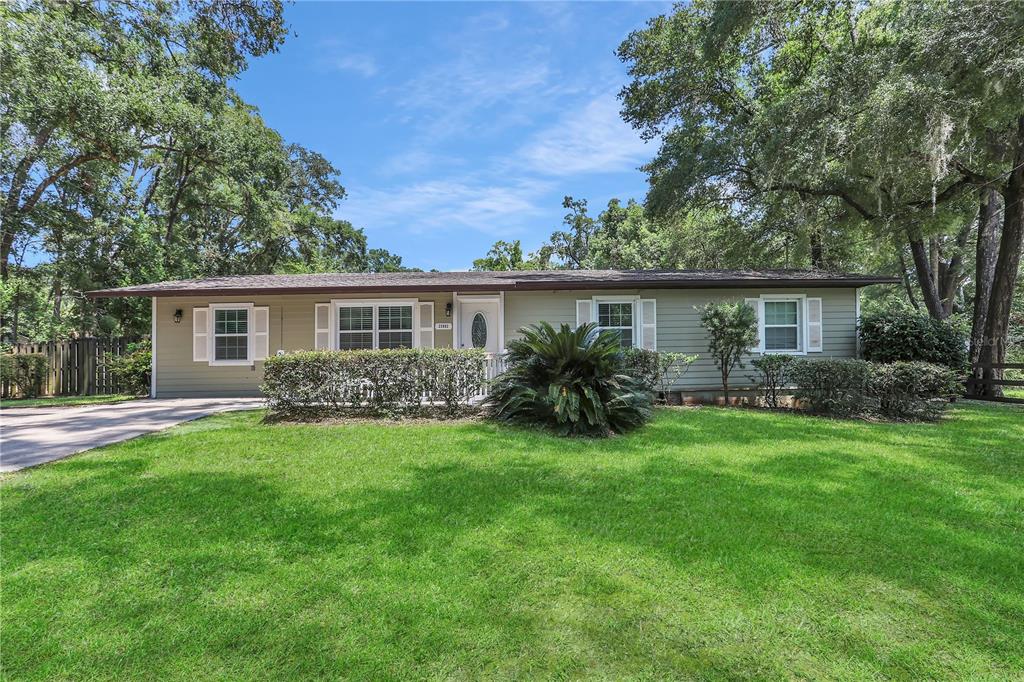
230,334
355,327
782,326
617,316
394,326
371,325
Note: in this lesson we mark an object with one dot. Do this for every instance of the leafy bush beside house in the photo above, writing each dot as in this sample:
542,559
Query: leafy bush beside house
912,390
905,335
833,387
644,365
132,369
381,382
732,333
570,381
773,377
658,371
25,371
858,388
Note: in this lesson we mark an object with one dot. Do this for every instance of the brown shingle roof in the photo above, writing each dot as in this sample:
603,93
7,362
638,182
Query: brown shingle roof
493,281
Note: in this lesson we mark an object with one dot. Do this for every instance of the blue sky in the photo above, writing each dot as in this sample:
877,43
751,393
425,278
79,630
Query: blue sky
457,124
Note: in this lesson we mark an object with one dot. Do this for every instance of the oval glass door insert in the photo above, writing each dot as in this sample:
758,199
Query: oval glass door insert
478,331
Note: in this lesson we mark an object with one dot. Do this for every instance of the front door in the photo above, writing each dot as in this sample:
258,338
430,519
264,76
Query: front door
478,324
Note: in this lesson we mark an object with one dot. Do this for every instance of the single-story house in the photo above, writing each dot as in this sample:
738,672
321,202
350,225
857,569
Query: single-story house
210,336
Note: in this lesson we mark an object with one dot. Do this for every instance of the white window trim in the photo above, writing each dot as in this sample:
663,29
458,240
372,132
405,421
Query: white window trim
634,300
211,337
801,312
375,303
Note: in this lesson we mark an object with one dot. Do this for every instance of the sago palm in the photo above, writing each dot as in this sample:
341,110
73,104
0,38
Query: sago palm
569,380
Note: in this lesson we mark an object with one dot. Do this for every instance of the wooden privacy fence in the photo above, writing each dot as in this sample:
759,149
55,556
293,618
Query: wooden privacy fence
74,367
972,382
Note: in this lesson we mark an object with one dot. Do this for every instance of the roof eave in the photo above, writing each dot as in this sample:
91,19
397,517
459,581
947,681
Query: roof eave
504,286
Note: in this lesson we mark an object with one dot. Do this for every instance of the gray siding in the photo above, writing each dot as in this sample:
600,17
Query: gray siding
291,328
678,322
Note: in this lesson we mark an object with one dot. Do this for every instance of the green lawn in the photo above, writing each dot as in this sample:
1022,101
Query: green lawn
712,544
65,400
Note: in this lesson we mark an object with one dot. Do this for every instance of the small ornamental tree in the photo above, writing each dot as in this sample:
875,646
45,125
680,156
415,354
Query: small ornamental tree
732,332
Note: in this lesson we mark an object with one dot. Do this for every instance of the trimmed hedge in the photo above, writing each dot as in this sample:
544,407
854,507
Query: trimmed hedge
380,382
833,387
26,371
857,388
913,390
907,336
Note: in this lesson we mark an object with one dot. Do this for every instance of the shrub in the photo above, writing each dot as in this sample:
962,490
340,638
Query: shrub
833,387
131,370
913,390
381,382
907,336
732,332
849,388
26,371
570,381
773,370
658,371
644,365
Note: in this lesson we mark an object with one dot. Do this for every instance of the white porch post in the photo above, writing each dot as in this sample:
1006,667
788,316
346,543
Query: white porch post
455,319
501,322
152,344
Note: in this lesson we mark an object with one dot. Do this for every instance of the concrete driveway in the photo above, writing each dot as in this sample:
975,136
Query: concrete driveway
33,435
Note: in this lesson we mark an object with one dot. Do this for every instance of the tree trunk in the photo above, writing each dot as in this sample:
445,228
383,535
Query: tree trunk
11,215
906,279
817,251
952,274
987,250
7,245
993,347
925,279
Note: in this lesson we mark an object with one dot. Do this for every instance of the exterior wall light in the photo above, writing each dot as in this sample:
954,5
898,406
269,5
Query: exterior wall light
177,316
447,309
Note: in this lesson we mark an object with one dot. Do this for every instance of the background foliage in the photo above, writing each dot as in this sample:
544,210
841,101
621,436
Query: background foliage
127,157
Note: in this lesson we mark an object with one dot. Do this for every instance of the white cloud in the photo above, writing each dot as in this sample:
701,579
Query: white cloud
335,56
453,204
591,139
362,64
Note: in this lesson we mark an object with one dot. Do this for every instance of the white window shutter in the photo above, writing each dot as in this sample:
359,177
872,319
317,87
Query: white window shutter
584,312
322,327
758,307
814,334
648,324
200,335
426,324
260,332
